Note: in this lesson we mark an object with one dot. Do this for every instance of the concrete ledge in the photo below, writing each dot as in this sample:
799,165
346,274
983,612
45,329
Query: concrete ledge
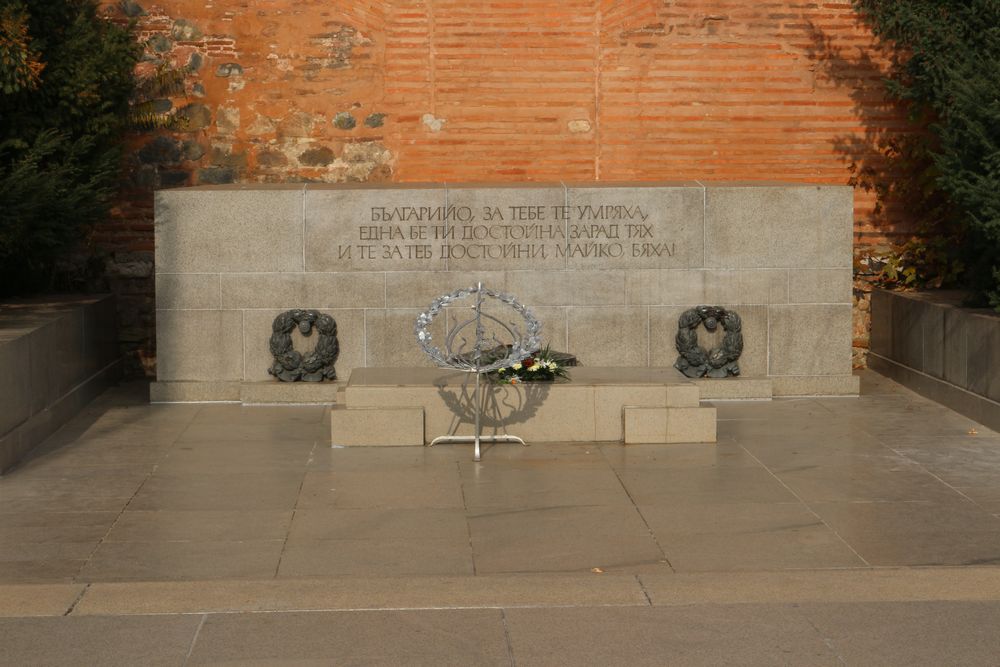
55,357
651,426
589,408
292,392
380,427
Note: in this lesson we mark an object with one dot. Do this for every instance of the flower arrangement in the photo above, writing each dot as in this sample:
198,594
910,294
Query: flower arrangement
539,367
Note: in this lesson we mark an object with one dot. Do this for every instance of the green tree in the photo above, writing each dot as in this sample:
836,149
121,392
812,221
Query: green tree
66,77
946,68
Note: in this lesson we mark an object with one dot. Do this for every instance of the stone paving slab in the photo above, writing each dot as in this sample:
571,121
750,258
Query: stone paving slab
817,531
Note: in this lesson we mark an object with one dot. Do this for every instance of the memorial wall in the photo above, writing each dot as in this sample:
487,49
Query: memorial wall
608,269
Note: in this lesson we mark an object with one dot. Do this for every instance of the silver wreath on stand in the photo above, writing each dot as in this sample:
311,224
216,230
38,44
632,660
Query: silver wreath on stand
478,354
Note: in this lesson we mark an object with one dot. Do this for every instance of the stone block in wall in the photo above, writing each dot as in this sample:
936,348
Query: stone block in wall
983,354
522,207
219,229
655,225
370,229
609,335
195,291
15,381
809,340
753,225
881,327
204,345
664,287
820,285
932,339
954,349
907,333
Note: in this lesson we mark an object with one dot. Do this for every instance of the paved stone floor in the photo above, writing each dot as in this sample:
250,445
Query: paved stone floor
817,532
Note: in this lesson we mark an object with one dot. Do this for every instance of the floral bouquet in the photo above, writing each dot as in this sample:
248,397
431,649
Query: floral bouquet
539,367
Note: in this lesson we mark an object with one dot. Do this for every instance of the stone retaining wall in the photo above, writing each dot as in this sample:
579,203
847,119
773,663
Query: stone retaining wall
56,355
608,269
929,343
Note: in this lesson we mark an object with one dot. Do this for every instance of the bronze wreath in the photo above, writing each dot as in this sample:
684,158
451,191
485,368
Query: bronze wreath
695,361
316,366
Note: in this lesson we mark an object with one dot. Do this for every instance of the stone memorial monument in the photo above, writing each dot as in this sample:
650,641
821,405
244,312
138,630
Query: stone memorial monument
609,269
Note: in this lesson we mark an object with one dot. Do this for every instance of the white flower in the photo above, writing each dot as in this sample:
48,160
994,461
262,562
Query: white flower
534,367
517,366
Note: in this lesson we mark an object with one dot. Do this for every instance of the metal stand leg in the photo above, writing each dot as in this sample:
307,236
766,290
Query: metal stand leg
478,437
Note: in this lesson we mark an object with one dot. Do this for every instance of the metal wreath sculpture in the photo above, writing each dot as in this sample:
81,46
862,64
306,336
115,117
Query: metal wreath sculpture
289,364
719,362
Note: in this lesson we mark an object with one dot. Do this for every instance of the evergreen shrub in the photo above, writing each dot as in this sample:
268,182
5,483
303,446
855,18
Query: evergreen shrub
66,78
946,68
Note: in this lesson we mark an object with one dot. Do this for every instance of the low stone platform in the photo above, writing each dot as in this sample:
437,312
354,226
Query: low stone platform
412,406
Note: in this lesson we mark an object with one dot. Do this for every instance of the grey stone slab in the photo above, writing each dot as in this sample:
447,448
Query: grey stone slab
200,525
199,345
523,487
377,230
791,547
626,227
207,491
955,347
562,539
753,361
820,285
197,291
426,488
383,558
27,600
303,290
146,640
88,527
100,335
312,525
212,231
932,339
426,637
755,286
16,382
154,561
56,358
907,332
881,326
686,635
848,483
512,227
237,456
782,226
704,486
909,633
567,288
609,336
257,330
810,340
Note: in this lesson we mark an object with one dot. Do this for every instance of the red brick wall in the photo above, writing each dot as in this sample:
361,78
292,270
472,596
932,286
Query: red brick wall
451,90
